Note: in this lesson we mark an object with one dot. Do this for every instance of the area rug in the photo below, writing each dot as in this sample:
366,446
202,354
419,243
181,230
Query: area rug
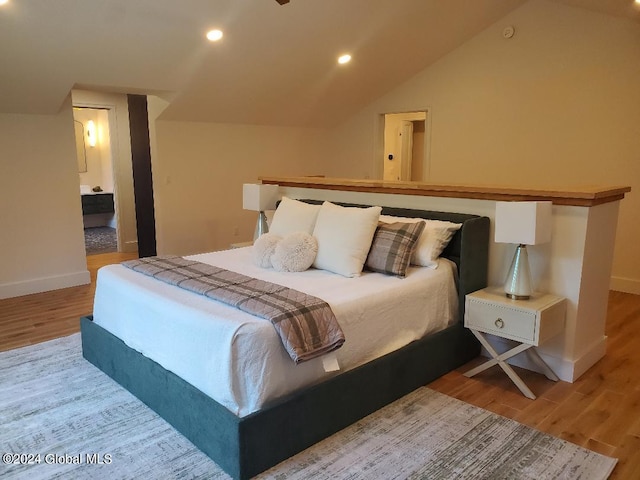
100,240
62,418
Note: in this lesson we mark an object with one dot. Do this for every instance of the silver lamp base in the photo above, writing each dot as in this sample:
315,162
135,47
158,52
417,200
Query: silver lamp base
518,283
261,226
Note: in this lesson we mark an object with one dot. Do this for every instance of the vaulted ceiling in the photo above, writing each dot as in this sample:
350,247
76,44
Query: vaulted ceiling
275,65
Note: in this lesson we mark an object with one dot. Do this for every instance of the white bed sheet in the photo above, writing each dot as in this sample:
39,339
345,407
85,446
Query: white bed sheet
238,359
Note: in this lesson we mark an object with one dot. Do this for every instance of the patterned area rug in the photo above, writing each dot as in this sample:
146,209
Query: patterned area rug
69,420
100,240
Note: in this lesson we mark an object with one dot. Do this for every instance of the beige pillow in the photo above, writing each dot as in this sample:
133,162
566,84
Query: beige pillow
293,216
344,237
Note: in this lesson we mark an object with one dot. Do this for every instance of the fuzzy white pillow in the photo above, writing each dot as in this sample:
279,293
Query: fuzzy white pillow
295,252
263,249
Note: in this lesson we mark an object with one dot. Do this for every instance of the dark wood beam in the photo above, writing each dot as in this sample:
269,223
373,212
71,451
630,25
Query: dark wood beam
142,178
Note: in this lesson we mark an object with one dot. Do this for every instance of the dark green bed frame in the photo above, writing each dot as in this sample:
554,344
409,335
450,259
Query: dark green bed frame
246,446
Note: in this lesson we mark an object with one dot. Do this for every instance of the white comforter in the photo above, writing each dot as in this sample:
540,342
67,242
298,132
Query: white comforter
237,359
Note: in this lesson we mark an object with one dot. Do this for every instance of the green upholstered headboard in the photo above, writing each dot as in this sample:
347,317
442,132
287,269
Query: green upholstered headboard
469,247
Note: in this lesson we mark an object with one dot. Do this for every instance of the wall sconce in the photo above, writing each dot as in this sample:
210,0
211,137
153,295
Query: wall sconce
92,135
522,223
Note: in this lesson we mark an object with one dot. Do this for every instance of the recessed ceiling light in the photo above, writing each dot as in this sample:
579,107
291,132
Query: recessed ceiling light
4,2
213,35
346,58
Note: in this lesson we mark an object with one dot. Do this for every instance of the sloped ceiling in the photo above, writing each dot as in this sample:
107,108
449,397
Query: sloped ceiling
276,64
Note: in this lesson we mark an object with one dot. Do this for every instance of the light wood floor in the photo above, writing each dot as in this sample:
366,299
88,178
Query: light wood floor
44,316
600,411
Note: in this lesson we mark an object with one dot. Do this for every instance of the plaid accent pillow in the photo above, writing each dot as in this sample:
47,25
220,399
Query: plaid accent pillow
392,247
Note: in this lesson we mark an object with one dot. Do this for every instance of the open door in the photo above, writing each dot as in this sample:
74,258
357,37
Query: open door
404,146
405,137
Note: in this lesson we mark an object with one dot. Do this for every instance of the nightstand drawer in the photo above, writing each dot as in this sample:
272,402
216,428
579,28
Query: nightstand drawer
502,321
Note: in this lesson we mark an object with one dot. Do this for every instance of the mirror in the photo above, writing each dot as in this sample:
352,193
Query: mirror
81,153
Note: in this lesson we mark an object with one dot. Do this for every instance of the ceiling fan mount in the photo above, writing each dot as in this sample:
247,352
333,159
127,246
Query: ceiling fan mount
282,2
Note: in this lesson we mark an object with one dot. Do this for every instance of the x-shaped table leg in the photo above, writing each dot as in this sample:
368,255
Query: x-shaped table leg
499,359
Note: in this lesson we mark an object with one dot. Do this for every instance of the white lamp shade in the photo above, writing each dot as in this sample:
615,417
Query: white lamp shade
527,223
259,197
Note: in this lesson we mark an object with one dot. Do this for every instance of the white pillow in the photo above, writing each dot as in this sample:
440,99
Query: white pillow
293,216
295,252
434,239
344,237
263,249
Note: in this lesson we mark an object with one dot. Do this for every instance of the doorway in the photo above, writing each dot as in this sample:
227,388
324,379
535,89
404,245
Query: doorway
405,148
95,171
128,195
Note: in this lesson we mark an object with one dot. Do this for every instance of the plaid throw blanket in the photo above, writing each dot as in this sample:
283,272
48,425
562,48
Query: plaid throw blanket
306,325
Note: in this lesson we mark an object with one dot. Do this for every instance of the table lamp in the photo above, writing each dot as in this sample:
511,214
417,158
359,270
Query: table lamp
522,223
259,197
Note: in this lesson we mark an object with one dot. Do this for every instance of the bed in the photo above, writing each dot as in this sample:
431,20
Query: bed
239,437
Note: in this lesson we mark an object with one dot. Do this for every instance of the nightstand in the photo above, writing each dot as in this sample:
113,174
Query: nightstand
529,322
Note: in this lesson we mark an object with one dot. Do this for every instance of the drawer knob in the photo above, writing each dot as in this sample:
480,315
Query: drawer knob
499,323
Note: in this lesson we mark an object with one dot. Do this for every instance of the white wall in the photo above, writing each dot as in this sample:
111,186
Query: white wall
41,234
555,105
198,172
41,238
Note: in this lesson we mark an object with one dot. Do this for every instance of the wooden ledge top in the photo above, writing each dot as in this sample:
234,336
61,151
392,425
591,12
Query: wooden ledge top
583,196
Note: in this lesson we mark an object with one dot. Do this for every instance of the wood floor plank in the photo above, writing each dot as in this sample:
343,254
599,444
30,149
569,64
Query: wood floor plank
585,425
620,422
628,455
500,408
601,448
536,412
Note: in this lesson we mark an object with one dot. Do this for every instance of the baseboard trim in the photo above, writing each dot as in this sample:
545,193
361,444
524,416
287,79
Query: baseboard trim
595,352
46,284
566,370
627,285
130,247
